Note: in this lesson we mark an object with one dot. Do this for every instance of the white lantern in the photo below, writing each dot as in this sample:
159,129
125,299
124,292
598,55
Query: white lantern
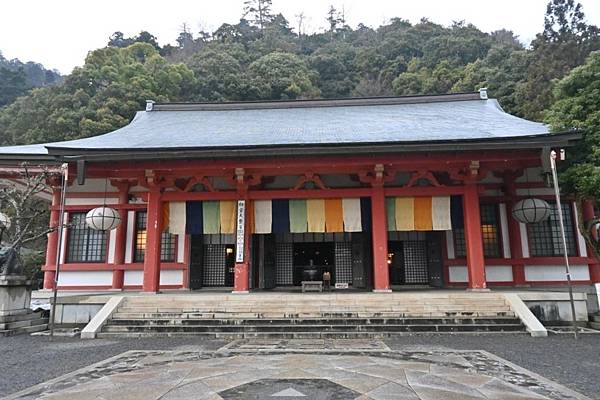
103,219
531,211
4,221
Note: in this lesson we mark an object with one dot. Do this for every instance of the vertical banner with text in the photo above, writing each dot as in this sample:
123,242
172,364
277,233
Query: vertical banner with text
241,223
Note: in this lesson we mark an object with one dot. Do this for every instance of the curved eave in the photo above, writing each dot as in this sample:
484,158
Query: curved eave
505,143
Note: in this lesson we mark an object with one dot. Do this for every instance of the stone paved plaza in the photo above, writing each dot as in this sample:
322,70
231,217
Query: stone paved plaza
307,369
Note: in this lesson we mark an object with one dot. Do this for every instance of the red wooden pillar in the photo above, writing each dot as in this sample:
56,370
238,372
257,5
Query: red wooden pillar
153,239
381,273
588,214
52,246
474,242
514,233
241,276
120,237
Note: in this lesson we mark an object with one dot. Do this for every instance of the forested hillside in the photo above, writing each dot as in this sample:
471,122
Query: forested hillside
263,57
16,78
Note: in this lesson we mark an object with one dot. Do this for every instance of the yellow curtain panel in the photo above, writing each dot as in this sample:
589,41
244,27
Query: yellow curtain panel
334,215
315,213
423,221
227,209
405,213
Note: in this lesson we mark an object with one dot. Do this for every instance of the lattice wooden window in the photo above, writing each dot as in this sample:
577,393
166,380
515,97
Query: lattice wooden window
83,243
490,233
545,239
167,245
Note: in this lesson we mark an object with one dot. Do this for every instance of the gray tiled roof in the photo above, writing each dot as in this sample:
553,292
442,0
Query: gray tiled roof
286,124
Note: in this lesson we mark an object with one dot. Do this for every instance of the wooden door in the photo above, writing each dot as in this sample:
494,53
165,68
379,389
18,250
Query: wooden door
196,261
435,264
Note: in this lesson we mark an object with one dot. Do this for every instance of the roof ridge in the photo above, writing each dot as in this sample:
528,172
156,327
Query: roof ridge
314,103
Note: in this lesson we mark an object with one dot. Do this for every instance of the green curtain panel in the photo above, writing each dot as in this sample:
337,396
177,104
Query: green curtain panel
212,217
298,216
390,210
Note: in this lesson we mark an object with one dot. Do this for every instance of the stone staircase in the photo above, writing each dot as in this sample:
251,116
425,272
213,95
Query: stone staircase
322,315
22,323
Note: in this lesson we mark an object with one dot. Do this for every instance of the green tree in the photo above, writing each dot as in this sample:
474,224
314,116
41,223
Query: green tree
564,44
283,76
259,12
101,96
578,107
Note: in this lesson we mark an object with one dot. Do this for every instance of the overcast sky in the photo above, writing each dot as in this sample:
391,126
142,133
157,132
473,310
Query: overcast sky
59,33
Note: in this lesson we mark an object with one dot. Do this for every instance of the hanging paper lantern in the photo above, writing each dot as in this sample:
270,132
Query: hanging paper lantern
103,219
531,211
4,221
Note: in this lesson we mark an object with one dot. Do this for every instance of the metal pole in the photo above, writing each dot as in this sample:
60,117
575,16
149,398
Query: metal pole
564,239
61,217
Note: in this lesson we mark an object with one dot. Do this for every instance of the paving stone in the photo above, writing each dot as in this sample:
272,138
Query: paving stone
323,372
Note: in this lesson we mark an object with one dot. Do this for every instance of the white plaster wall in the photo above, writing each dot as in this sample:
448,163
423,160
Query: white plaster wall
535,192
524,240
93,185
498,273
504,230
556,273
458,274
493,273
63,238
580,239
85,278
98,201
135,277
180,248
112,241
129,237
171,277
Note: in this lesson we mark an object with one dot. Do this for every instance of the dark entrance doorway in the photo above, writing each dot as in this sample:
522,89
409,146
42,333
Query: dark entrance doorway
311,260
416,260
212,261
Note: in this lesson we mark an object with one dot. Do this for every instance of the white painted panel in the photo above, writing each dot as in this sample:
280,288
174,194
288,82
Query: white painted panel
85,278
498,273
450,244
580,238
63,239
458,274
93,185
524,240
112,239
180,248
504,230
129,237
535,192
135,277
97,201
171,277
556,273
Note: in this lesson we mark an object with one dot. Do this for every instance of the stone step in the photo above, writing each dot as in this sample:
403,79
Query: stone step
313,329
313,321
26,329
308,308
295,315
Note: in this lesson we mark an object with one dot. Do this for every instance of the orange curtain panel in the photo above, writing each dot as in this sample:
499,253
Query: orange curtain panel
165,216
334,215
423,221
